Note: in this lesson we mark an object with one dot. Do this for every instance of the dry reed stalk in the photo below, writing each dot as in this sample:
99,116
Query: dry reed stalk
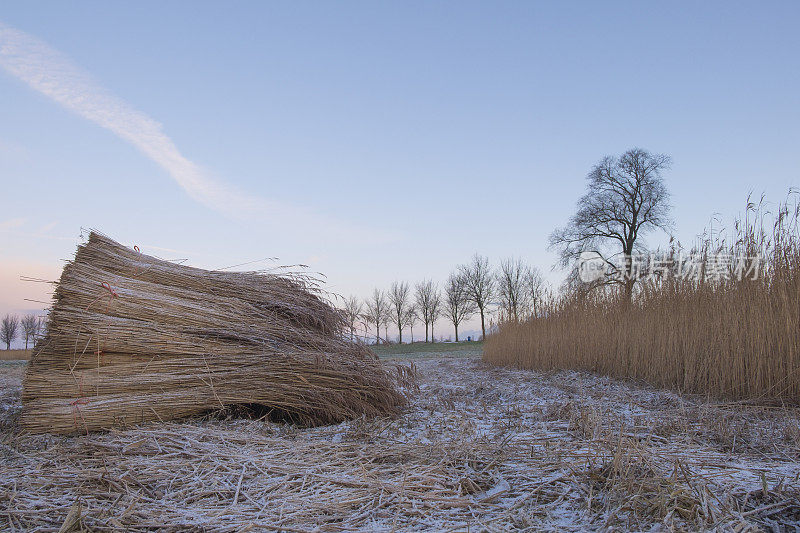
132,338
729,339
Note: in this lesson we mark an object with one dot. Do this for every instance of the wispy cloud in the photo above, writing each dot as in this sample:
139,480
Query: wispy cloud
47,228
11,223
53,74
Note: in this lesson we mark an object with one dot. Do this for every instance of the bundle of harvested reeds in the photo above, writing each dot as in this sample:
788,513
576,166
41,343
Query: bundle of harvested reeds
132,338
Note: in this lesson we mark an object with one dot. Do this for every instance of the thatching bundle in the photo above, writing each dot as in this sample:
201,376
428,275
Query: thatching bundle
132,338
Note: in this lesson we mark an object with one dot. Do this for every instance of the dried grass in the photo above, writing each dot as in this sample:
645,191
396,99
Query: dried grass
479,449
733,339
15,355
132,338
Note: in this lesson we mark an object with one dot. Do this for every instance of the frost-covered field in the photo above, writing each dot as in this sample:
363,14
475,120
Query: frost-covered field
480,448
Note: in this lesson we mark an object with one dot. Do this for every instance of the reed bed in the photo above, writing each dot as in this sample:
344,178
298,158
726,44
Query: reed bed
15,355
721,336
132,338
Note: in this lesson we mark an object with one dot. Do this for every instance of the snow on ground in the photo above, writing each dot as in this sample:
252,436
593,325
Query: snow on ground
479,448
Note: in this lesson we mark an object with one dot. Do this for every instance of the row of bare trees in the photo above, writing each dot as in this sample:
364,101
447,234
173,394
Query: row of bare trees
30,325
515,289
626,198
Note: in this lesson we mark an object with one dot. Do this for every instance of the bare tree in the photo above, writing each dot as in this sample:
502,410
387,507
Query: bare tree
30,325
377,310
511,287
42,324
399,298
626,198
457,306
364,320
535,287
8,330
574,288
480,285
425,299
353,308
411,318
435,309
387,319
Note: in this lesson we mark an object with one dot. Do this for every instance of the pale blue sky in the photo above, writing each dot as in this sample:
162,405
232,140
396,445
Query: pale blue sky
380,141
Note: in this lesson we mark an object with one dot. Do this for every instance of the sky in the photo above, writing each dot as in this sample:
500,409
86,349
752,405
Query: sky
373,141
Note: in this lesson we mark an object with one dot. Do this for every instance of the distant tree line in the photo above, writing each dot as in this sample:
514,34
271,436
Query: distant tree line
626,198
28,327
514,290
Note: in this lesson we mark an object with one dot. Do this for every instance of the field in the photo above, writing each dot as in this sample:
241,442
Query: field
15,355
479,448
425,350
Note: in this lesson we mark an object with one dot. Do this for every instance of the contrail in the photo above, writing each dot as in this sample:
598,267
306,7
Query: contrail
53,74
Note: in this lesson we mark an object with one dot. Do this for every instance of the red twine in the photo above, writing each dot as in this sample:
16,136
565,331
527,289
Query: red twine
110,290
76,409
